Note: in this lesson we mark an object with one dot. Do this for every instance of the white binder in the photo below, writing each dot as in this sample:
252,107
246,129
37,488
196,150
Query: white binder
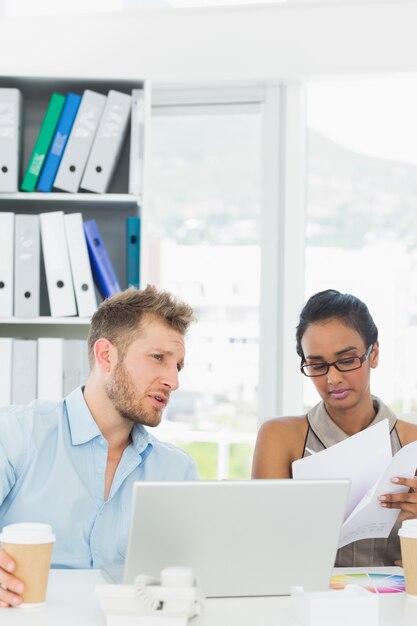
10,138
80,265
107,143
71,369
26,266
50,368
137,142
24,371
6,346
6,263
75,364
57,265
84,363
80,141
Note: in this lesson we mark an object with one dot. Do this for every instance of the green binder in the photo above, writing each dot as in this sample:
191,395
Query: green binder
43,142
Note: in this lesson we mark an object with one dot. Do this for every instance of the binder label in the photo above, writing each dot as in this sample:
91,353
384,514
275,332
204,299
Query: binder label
36,165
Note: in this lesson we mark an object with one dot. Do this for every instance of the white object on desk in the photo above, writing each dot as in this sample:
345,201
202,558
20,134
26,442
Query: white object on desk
352,606
133,619
147,603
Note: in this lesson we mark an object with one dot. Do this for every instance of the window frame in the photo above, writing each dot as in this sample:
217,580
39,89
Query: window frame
283,207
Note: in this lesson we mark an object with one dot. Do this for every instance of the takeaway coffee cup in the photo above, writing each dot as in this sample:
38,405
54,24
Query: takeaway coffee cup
30,546
408,540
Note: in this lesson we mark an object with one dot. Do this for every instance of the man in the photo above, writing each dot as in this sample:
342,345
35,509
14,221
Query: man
72,463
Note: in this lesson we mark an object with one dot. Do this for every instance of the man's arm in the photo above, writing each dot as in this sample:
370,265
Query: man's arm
11,450
192,472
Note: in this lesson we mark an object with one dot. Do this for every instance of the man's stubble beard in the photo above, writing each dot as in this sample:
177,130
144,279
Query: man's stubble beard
121,391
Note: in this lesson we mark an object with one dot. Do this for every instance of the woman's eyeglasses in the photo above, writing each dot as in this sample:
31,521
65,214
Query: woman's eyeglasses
342,365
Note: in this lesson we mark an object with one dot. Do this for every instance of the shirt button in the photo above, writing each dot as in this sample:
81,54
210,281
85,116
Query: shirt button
99,471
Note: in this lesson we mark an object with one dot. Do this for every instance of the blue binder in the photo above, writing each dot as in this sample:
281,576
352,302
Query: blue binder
56,150
132,251
103,271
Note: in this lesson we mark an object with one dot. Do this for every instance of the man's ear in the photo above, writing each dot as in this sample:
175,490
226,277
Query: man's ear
374,356
105,354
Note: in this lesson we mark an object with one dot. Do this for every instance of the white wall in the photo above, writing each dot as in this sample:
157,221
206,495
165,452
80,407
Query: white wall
223,45
216,44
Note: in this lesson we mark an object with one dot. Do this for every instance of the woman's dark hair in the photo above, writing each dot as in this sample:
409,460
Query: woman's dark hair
330,303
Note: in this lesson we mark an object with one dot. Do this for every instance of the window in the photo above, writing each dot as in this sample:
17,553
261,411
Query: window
362,202
204,232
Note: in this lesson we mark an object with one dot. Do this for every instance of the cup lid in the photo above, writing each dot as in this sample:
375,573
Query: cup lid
408,528
27,533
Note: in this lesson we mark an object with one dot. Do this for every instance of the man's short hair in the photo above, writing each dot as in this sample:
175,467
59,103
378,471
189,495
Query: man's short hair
119,318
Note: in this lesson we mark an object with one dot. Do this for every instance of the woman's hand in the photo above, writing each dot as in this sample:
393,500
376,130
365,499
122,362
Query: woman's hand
406,501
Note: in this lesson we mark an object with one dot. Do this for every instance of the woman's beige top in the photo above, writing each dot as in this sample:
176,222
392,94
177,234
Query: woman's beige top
323,433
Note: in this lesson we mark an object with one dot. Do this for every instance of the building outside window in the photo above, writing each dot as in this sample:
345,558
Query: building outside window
204,208
361,214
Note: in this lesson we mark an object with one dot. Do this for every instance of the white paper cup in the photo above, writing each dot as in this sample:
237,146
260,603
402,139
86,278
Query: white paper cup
30,546
408,540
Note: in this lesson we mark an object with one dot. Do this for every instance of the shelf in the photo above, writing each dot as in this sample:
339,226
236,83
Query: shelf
39,88
105,198
44,320
92,204
32,328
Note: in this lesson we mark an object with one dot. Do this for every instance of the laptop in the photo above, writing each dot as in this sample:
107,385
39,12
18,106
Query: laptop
241,538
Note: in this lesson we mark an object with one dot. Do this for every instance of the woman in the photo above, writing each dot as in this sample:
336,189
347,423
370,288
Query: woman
337,341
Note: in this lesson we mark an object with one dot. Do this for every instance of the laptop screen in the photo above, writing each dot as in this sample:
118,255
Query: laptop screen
241,538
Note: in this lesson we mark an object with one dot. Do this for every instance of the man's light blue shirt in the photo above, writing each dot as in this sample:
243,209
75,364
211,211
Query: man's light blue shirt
52,468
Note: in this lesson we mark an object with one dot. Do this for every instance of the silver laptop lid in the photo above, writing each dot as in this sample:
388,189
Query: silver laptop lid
242,538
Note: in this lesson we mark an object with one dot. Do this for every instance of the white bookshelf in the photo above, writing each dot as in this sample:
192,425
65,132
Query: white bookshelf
110,210
55,196
45,326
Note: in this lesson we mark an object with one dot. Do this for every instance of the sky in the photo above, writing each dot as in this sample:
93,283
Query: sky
376,116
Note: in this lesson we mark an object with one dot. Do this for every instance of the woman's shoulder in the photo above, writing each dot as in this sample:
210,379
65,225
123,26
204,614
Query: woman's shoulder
407,431
280,441
285,434
288,424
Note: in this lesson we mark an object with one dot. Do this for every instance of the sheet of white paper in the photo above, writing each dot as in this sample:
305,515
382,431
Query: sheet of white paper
361,457
369,519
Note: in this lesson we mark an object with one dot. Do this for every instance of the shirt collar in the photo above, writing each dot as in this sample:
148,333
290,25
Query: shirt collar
142,440
83,427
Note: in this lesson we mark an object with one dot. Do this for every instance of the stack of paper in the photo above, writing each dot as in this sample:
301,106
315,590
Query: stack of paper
366,459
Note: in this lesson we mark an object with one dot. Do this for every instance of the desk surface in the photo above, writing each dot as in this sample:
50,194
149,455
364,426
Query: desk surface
71,601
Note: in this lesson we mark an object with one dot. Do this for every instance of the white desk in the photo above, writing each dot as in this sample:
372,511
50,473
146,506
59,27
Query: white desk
71,601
